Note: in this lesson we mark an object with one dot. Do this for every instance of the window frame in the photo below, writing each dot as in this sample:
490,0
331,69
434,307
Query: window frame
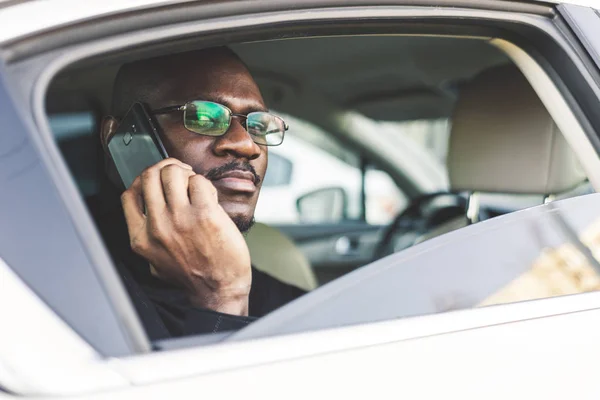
585,24
35,73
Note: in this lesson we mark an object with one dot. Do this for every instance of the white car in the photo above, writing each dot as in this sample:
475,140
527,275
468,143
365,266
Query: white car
469,302
303,164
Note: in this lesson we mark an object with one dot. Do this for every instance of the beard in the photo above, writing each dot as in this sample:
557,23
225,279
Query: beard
243,224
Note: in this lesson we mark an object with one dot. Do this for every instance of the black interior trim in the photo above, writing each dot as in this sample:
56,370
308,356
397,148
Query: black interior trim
307,232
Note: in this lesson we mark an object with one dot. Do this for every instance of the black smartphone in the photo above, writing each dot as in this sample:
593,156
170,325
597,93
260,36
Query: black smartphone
136,144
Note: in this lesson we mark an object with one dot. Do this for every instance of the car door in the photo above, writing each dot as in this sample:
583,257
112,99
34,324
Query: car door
40,242
77,285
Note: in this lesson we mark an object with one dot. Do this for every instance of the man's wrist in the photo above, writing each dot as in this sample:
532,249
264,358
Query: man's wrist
226,302
229,299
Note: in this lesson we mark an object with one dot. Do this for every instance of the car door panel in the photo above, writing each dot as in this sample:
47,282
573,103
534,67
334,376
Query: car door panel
38,240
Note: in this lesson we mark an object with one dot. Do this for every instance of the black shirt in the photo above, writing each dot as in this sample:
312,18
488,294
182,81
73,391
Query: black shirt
163,308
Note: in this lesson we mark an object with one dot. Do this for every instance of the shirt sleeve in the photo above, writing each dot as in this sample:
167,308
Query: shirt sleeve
199,321
268,294
166,312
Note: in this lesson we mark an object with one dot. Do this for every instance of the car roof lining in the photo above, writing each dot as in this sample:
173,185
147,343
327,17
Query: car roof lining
393,78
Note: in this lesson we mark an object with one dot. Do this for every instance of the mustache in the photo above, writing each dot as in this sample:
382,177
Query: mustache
217,173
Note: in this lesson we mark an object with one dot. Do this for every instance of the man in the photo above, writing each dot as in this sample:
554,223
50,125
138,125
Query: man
185,262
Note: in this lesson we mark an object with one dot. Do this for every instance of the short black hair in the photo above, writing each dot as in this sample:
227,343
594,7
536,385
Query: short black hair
143,80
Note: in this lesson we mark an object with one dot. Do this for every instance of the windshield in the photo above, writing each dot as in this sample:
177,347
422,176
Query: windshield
535,253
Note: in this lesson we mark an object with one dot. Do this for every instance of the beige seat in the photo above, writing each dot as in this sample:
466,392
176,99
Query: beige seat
277,255
504,141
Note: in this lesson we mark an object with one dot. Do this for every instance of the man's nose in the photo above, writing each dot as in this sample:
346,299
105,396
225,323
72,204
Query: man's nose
237,141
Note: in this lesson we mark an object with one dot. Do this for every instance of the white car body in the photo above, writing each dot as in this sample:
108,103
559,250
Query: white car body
539,349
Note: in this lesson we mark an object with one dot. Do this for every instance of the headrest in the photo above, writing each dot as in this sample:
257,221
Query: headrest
503,139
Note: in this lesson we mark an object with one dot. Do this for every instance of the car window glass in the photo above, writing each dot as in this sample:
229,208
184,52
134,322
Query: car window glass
76,135
279,172
309,167
541,252
431,135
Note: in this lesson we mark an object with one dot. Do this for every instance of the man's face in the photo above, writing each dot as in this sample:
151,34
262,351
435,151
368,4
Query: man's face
233,162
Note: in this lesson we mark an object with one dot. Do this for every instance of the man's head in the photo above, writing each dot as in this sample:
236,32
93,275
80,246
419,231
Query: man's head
216,75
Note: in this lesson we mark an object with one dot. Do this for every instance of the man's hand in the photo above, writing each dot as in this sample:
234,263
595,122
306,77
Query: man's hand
187,237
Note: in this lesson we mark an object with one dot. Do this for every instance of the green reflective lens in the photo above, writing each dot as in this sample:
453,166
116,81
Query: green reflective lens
265,128
206,118
213,119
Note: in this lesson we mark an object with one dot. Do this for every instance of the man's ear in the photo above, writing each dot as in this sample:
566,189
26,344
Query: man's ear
108,128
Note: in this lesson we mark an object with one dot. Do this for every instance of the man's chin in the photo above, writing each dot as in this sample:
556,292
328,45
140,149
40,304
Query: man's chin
241,213
243,223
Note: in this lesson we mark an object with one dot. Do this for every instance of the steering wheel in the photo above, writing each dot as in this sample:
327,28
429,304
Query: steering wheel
418,218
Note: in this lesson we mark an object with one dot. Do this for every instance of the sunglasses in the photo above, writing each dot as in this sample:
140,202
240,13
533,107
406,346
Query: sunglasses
214,119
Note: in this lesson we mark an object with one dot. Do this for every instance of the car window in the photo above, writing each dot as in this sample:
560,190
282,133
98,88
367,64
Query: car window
301,171
541,252
431,136
337,182
76,136
311,161
279,172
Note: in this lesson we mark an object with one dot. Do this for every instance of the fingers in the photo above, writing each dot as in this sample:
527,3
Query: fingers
152,188
174,179
202,192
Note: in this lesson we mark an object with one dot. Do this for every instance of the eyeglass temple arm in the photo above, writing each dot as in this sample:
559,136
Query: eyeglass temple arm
170,109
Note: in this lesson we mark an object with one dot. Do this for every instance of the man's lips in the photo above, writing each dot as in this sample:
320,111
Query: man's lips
236,181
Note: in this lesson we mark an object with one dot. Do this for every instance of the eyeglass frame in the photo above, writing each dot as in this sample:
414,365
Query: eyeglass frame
182,107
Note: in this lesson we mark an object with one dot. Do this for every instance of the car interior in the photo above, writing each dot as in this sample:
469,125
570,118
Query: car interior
504,151
504,141
497,144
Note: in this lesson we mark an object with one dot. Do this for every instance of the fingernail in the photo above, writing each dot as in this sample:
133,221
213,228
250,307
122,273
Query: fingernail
187,166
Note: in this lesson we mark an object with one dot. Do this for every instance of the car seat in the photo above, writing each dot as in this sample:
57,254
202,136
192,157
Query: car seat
275,253
503,140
